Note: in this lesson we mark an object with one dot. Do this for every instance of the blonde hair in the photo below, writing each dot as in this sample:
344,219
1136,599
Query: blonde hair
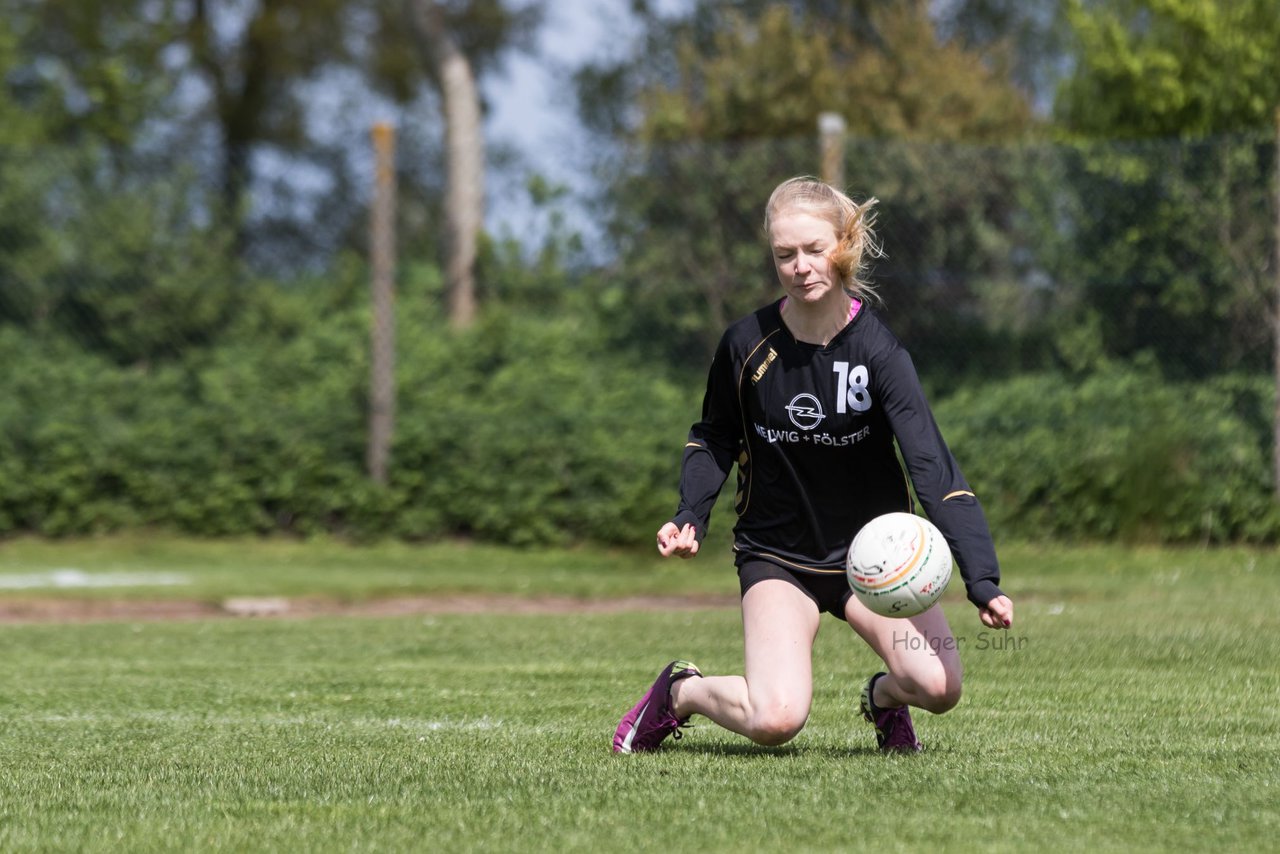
853,222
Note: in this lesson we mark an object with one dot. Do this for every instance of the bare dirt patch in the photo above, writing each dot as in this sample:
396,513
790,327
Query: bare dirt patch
34,610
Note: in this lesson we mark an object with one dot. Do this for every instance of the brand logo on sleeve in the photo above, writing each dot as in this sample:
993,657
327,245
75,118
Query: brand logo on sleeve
764,366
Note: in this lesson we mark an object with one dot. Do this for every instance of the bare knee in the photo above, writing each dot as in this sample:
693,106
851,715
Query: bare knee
938,692
776,726
942,694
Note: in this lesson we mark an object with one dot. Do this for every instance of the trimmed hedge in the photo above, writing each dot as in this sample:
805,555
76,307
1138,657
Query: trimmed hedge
528,430
1119,454
523,431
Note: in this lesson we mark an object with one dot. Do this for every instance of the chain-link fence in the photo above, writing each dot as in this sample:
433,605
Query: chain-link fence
1016,255
1001,257
165,363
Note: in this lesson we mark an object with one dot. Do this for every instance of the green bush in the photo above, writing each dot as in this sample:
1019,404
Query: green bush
529,429
1119,454
521,431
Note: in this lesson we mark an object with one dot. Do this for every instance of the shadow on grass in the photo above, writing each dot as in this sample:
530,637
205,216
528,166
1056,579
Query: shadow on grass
787,750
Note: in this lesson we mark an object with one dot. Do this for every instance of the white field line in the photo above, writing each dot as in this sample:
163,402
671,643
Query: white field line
65,579
415,726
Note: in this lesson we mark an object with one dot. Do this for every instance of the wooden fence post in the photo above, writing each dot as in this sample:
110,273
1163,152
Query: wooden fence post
382,249
1275,318
831,128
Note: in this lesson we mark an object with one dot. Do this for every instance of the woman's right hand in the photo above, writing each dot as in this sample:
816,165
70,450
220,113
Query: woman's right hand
677,541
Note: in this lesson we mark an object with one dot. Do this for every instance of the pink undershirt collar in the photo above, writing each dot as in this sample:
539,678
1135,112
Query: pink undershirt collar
855,305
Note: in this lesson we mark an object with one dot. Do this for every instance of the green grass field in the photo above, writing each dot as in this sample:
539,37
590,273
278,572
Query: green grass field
1132,708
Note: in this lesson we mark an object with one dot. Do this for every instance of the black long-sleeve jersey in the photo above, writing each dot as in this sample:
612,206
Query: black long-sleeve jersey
812,429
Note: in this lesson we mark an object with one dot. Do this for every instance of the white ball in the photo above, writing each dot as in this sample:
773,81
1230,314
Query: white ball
899,564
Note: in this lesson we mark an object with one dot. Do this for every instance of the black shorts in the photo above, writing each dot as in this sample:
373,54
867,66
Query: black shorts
828,592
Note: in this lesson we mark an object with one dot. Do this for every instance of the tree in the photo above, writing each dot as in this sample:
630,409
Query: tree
1172,248
91,71
1178,248
464,157
1030,36
91,244
450,46
22,240
719,106
170,84
253,60
226,88
1171,68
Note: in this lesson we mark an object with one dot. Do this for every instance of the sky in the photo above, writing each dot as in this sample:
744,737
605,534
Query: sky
531,109
531,103
532,106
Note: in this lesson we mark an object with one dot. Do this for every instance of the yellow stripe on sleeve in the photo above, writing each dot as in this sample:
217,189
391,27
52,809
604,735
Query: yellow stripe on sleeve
958,493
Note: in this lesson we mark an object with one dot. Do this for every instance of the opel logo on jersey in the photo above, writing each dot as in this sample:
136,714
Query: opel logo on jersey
805,411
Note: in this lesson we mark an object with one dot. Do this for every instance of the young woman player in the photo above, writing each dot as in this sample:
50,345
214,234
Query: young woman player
807,396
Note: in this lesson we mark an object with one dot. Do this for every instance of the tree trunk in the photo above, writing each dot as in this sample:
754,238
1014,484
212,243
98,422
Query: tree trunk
240,107
464,157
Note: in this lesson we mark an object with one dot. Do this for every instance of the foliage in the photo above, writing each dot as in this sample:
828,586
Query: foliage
97,73
968,231
532,429
1160,68
271,99
19,125
1172,247
769,75
485,29
694,106
120,268
522,432
100,239
1172,242
527,432
1118,454
149,379
1028,36
691,259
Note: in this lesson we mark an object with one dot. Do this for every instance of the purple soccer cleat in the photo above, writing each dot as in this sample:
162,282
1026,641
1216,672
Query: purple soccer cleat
651,720
894,731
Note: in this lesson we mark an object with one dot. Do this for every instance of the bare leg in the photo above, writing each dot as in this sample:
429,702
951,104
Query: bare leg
770,704
919,653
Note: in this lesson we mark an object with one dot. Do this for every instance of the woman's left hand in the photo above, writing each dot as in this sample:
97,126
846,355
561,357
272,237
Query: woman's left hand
998,614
